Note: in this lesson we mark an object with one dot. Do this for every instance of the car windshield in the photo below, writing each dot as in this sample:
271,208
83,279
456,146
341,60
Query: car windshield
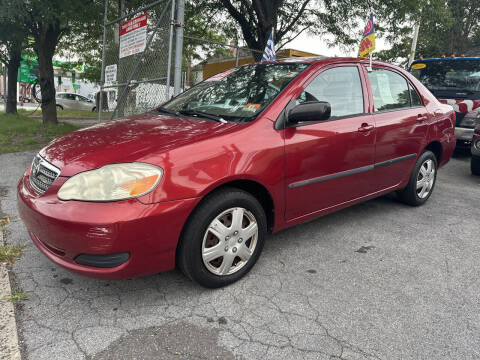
455,75
238,94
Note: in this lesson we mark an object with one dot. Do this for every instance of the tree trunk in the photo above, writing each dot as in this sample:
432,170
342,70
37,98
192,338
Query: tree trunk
12,66
45,44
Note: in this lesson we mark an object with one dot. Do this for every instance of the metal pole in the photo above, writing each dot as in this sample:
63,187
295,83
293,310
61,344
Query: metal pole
236,56
5,83
177,76
102,73
170,43
414,44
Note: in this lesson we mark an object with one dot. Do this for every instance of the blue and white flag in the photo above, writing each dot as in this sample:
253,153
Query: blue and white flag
269,53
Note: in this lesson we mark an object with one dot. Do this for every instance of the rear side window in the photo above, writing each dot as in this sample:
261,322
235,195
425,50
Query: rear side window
390,91
341,87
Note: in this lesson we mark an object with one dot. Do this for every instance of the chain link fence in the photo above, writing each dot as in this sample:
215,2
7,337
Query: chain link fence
137,60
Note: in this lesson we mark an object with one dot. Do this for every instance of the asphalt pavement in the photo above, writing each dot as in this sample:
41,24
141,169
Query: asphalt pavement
379,280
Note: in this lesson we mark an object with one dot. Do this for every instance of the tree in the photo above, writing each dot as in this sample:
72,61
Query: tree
47,22
446,27
257,18
12,38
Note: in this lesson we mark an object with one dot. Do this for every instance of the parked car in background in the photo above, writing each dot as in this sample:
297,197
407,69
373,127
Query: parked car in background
72,101
198,182
454,81
24,99
475,161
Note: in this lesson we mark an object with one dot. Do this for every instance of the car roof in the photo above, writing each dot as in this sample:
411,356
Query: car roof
328,60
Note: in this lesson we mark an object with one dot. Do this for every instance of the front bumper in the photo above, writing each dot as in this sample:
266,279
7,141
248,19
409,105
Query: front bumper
64,230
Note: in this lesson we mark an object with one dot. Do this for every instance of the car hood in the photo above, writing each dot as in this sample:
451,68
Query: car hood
127,140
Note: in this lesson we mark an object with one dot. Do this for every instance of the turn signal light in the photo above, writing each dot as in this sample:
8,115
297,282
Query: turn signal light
140,186
463,55
452,56
443,56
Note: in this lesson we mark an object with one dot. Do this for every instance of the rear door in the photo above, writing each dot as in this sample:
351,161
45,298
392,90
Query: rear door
330,162
401,124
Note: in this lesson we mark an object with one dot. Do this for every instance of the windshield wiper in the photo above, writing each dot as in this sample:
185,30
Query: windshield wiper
202,114
166,111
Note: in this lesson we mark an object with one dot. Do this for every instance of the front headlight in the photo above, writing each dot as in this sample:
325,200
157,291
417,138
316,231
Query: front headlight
112,182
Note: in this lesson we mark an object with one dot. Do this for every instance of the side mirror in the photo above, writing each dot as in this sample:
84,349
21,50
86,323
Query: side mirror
309,111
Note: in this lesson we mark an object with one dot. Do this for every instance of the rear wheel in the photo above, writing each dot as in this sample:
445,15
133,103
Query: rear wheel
475,165
223,238
422,180
59,107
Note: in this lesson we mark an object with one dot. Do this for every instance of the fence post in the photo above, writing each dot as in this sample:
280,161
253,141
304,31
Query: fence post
5,83
177,77
170,42
237,50
102,73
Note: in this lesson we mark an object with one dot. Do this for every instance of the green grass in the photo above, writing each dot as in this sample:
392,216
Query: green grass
10,253
66,113
21,133
17,296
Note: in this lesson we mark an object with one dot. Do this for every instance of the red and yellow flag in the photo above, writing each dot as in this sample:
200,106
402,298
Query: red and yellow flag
368,41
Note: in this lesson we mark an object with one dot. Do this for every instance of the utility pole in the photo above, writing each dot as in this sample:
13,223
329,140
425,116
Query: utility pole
177,76
414,44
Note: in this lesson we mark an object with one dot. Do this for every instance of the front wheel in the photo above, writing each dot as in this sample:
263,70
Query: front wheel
422,180
223,238
475,165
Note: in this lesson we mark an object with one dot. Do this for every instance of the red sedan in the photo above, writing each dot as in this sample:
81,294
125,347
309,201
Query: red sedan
199,181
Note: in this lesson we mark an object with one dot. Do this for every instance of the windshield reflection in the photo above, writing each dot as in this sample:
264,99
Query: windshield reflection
238,94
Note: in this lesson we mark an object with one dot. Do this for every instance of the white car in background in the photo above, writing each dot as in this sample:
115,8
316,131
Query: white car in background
73,101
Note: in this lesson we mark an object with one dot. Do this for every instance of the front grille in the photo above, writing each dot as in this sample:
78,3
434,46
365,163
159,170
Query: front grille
42,174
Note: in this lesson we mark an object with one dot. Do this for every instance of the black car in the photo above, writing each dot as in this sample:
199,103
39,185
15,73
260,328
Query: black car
475,162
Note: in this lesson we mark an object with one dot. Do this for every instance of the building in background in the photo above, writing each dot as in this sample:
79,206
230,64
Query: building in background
216,65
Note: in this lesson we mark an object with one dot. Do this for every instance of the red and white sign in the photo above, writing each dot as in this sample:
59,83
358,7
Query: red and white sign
133,36
462,106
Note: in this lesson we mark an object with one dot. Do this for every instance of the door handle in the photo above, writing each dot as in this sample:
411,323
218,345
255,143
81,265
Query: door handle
365,127
421,117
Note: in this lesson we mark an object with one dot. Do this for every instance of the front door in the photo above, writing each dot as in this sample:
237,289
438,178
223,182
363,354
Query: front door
330,162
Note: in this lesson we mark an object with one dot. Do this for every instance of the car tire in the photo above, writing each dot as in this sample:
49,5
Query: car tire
422,180
94,109
215,224
475,165
59,107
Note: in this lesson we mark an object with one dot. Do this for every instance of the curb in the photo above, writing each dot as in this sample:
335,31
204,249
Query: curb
9,348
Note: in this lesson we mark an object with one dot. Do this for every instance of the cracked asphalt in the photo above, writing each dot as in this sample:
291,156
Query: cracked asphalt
379,280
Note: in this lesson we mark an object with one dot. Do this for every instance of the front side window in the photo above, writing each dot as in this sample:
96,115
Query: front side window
341,87
238,94
390,90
